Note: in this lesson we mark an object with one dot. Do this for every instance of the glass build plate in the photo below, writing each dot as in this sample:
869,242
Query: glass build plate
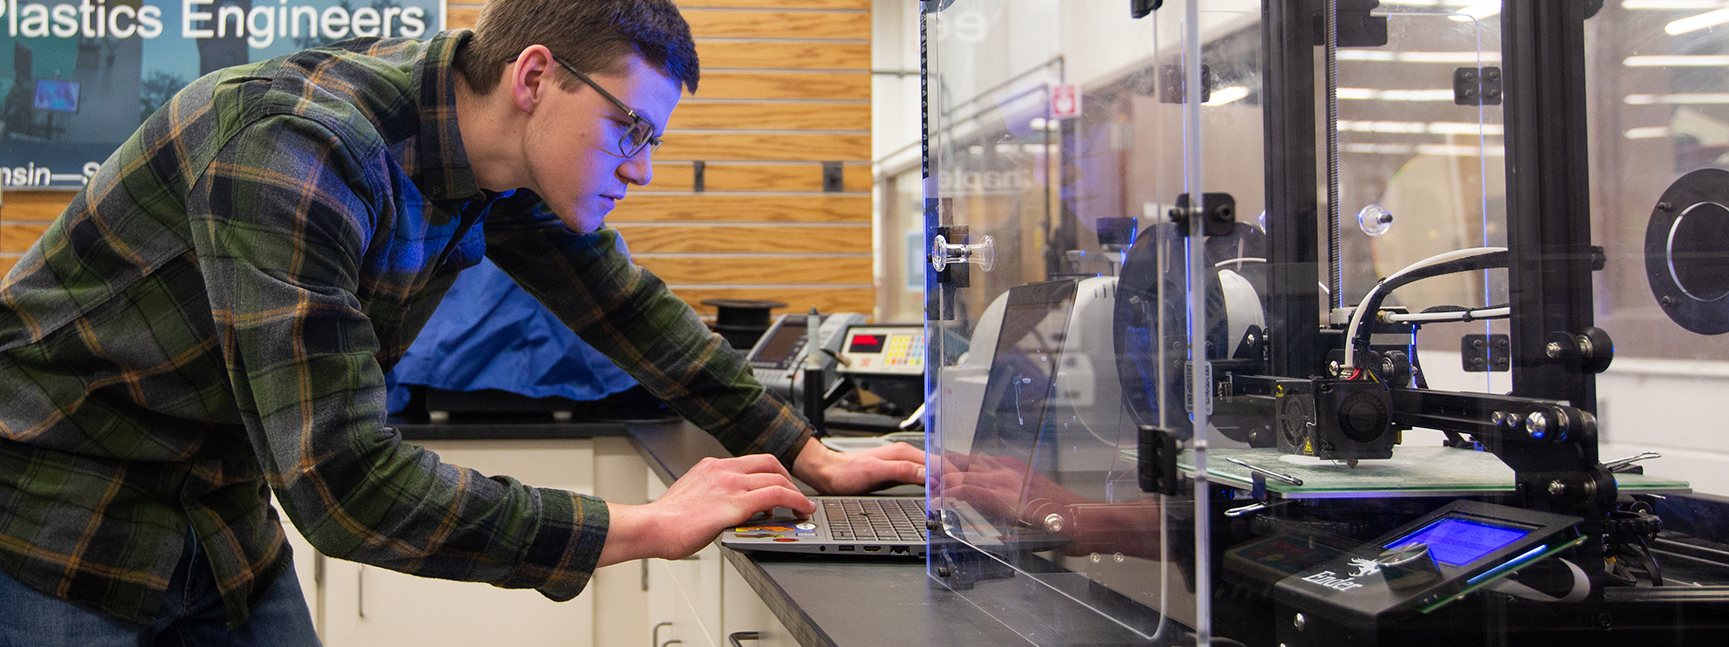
1412,471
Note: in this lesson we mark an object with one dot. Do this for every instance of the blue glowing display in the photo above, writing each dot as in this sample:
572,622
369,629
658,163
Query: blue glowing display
1456,542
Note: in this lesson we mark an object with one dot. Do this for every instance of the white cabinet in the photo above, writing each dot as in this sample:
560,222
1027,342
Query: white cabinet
697,602
702,600
742,611
355,605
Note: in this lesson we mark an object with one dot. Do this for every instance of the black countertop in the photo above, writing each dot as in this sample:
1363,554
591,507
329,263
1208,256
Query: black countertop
834,600
873,602
507,431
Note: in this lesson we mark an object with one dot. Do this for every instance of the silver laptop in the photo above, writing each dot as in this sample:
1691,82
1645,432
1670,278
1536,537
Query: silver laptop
1011,417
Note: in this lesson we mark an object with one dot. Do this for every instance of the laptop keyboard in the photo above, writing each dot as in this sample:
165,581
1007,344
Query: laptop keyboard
871,519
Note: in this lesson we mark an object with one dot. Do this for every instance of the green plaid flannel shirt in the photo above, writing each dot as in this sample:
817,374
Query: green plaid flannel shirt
211,319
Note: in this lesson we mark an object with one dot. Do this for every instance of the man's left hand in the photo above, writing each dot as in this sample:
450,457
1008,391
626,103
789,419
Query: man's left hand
832,472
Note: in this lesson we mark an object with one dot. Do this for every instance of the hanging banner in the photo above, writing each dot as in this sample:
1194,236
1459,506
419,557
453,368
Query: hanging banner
79,76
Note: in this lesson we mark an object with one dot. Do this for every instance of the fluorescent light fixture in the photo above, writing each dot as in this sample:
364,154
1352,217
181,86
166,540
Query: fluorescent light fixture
1464,128
1430,3
1451,58
1677,99
1414,127
1396,95
1461,151
1366,55
1478,11
1379,149
1670,5
1223,96
1696,23
1677,60
1426,149
1648,132
1421,127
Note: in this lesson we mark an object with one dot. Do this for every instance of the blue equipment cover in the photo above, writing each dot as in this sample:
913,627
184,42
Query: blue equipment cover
490,334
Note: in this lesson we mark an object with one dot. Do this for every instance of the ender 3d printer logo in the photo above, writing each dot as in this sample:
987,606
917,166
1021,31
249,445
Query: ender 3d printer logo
200,19
1331,580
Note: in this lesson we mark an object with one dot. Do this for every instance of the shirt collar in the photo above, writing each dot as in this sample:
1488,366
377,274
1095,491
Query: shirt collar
445,175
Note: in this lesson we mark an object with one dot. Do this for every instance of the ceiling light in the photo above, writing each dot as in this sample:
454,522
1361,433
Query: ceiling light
1430,3
1421,127
1396,95
1683,98
1379,149
1648,132
1696,23
1670,5
1226,95
1461,151
1678,60
1453,58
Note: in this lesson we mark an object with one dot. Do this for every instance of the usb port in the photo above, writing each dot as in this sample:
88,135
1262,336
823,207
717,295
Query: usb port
846,549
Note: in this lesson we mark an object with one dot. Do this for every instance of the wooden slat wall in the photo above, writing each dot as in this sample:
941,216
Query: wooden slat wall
785,87
23,218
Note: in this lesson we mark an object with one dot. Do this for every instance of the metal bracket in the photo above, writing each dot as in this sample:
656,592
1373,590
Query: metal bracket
833,178
1485,353
1174,86
1477,87
697,169
1219,217
1158,461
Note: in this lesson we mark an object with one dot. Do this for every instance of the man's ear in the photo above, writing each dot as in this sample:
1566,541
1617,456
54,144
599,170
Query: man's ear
530,77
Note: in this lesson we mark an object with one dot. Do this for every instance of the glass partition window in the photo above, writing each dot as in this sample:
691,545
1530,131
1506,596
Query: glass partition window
1275,324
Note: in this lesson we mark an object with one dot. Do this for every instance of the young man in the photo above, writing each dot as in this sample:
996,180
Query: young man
210,320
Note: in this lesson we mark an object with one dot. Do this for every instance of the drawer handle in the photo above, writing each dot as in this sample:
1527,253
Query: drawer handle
654,638
737,636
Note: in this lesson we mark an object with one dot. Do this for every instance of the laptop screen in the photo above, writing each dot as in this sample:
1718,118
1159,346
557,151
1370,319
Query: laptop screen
1017,391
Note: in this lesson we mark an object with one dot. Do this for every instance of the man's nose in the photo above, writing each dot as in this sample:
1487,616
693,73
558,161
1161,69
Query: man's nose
638,169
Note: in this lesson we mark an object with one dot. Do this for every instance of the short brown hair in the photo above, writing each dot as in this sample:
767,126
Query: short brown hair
592,35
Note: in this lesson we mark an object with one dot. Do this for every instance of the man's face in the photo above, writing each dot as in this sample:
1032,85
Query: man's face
572,146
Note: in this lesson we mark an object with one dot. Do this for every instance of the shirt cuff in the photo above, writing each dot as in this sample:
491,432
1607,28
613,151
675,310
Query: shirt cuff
790,453
566,546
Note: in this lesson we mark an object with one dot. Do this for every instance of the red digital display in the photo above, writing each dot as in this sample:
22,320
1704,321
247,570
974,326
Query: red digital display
866,344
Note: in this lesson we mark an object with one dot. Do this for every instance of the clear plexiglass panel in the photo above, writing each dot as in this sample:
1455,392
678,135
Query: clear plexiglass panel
1057,146
1306,408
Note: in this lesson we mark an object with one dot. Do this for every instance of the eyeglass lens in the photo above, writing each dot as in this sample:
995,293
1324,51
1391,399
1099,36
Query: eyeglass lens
641,134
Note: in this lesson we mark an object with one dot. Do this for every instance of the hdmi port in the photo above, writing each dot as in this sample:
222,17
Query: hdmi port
872,549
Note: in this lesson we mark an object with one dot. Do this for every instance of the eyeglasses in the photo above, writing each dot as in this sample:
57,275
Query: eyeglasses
640,135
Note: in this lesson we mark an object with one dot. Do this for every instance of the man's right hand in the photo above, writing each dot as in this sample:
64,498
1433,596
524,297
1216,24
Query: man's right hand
716,494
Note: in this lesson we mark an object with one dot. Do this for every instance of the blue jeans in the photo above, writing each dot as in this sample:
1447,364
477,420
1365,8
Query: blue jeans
192,615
